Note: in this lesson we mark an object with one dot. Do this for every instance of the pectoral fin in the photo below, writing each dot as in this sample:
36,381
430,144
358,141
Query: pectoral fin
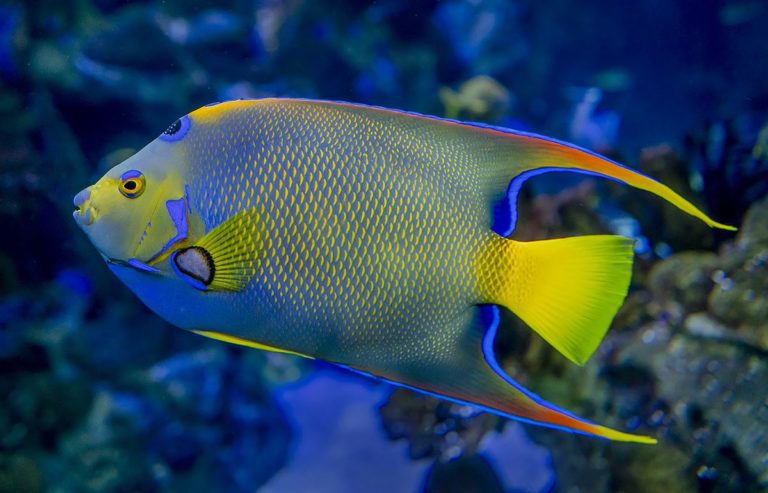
468,373
226,258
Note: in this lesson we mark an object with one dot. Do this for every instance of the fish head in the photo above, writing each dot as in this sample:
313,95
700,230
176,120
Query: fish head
138,212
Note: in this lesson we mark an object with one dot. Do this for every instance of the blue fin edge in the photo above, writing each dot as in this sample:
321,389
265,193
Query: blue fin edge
490,357
517,184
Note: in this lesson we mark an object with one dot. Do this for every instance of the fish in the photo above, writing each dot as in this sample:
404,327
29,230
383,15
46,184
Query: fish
362,236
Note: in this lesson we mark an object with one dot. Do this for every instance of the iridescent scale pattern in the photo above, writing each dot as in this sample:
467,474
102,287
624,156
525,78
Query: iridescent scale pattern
370,224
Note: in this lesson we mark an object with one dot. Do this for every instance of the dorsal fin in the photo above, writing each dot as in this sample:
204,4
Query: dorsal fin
507,154
523,155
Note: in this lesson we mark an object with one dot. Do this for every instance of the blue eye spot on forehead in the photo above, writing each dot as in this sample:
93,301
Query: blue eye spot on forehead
130,174
177,130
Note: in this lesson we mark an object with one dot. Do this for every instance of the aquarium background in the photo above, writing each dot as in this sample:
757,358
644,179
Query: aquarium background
100,395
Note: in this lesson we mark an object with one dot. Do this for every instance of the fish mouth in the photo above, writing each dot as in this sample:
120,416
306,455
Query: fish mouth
84,218
84,213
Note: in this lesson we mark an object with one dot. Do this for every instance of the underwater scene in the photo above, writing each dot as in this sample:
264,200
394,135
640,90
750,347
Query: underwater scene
384,246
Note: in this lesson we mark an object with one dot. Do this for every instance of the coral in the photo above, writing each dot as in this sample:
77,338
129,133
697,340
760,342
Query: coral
479,98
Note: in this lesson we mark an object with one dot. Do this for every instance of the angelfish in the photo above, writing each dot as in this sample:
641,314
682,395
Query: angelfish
362,236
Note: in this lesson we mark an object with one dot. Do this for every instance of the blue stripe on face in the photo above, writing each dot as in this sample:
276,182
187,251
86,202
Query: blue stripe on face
177,211
186,197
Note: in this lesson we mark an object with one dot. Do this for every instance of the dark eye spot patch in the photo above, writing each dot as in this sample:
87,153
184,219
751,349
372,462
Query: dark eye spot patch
194,265
177,130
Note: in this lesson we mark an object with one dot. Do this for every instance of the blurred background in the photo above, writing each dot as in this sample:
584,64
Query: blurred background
99,395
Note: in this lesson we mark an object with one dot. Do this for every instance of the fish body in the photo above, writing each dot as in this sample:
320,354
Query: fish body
361,236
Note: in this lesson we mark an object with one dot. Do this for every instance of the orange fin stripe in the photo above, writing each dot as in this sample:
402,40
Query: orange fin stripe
522,407
563,420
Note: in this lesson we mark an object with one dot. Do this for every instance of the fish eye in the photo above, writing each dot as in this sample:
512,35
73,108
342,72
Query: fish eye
132,184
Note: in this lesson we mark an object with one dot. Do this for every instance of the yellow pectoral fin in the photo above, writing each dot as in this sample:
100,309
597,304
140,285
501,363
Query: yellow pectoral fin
245,342
226,258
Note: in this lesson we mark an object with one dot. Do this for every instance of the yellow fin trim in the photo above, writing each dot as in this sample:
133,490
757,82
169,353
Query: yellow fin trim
620,436
530,151
567,290
245,342
538,412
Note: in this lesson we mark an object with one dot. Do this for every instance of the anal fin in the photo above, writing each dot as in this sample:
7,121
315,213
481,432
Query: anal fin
470,374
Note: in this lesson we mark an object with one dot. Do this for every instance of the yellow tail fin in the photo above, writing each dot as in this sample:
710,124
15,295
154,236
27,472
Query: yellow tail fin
567,290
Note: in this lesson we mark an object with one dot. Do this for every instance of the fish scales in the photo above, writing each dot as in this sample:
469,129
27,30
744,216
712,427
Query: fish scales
389,225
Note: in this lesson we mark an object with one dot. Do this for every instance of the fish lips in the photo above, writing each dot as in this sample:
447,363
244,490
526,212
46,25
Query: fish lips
84,214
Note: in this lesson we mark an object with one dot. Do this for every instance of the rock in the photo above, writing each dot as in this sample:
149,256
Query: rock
433,427
739,298
685,278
